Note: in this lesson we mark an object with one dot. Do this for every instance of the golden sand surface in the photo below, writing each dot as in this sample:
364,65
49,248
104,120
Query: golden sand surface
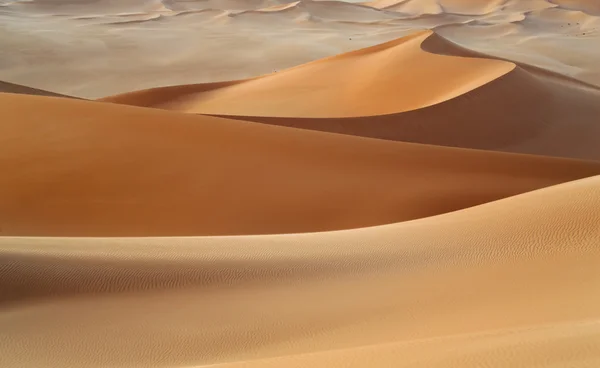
273,183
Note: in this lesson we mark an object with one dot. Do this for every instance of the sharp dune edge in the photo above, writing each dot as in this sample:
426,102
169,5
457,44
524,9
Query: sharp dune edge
371,81
420,89
424,193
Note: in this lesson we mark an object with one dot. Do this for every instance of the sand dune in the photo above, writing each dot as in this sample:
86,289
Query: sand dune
416,7
93,50
541,109
69,7
470,288
420,88
85,168
587,6
299,183
7,87
393,77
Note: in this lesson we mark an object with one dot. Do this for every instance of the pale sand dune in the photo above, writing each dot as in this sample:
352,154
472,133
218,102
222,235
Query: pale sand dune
417,7
383,4
471,7
509,283
518,6
443,94
587,6
75,168
320,10
67,7
317,11
92,49
279,7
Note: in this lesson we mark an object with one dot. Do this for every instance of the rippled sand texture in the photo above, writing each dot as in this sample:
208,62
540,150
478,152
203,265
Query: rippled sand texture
228,183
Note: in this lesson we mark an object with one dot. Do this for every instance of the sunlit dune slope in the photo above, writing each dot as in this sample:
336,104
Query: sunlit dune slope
503,284
388,78
429,90
74,168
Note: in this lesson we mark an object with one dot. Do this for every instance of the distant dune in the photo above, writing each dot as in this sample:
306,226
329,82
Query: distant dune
299,183
100,48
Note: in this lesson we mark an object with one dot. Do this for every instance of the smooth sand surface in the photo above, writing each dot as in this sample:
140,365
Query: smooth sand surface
81,168
420,88
274,183
508,283
389,78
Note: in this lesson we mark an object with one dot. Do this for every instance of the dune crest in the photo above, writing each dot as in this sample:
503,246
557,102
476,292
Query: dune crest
300,183
388,78
420,88
522,112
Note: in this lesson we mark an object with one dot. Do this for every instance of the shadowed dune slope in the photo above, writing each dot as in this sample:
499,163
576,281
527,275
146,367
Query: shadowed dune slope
586,6
472,288
440,94
7,87
520,112
81,168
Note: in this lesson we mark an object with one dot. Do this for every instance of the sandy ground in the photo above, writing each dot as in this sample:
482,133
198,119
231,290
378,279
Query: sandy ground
255,183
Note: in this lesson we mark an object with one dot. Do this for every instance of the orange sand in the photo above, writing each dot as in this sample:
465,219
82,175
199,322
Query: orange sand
186,221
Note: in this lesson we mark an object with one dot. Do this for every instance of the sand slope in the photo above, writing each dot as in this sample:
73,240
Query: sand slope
520,112
7,87
478,287
300,183
420,88
86,168
392,77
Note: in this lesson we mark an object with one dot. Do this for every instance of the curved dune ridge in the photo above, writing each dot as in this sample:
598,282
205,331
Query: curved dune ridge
80,168
413,183
420,88
477,287
392,77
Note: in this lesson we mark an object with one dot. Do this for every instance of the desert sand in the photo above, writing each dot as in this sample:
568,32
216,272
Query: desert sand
272,183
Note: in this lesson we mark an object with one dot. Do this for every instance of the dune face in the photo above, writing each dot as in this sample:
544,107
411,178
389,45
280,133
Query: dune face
471,288
126,171
379,80
299,183
541,109
440,95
